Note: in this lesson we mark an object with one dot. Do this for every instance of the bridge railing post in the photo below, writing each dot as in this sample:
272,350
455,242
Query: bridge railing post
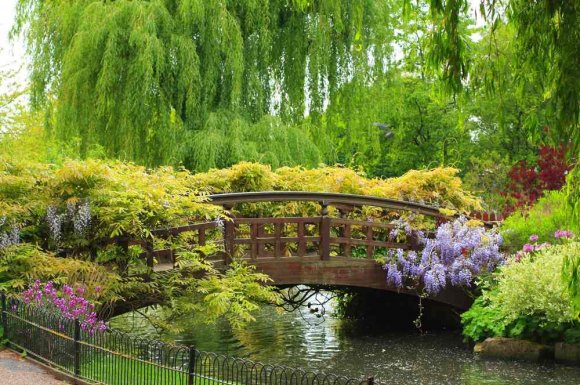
150,255
229,234
324,231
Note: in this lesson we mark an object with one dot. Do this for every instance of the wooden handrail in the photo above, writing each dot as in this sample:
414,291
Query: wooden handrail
329,199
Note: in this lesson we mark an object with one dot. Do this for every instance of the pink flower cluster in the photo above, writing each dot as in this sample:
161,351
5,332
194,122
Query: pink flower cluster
70,304
531,247
559,234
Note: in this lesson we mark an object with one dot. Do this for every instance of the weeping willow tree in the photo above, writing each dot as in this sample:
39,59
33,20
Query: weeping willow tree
145,78
546,41
227,139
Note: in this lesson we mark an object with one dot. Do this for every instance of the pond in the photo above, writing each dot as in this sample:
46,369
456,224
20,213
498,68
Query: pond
357,349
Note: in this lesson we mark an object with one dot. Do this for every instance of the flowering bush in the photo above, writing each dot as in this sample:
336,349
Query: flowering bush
439,187
70,304
455,256
76,217
527,300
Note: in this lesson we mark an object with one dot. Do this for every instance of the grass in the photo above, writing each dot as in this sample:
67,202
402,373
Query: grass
119,370
116,370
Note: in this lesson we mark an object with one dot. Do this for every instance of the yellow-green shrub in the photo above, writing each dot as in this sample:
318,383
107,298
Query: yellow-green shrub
440,187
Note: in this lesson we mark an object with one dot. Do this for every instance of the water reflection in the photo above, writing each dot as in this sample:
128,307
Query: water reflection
357,350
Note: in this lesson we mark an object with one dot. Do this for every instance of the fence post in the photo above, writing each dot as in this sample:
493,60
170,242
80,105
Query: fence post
77,348
191,366
4,317
324,231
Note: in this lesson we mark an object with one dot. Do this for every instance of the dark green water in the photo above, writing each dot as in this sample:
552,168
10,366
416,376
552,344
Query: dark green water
356,350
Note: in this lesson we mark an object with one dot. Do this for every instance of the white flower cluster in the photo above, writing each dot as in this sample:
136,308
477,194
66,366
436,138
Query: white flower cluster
77,214
10,237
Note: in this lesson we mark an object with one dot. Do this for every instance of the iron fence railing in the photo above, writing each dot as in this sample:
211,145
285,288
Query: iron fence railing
115,358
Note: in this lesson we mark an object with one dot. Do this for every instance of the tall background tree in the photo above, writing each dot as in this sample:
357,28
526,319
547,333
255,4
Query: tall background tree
385,85
143,78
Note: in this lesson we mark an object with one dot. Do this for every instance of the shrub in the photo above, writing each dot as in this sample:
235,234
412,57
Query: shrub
23,263
439,187
528,299
530,182
549,214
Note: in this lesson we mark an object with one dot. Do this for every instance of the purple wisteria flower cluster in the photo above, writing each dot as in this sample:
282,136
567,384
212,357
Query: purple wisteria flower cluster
70,304
77,214
456,254
10,237
401,229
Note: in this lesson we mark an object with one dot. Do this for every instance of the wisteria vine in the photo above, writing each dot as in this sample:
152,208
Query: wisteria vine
10,237
456,254
78,214
69,304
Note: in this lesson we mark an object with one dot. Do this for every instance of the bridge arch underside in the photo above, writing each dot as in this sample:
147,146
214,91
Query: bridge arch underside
341,272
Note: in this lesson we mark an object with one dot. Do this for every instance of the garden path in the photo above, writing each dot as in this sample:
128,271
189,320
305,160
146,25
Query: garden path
15,370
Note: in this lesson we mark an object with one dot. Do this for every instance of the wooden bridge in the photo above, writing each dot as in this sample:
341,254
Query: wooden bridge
335,247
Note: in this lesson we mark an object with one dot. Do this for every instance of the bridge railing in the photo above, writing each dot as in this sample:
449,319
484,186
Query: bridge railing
320,236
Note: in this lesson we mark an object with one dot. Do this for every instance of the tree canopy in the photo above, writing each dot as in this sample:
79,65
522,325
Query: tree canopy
386,85
142,77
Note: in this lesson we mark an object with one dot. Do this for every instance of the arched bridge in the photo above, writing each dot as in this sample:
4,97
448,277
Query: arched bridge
329,239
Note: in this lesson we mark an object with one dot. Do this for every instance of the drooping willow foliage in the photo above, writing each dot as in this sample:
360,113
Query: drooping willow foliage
143,78
227,139
546,41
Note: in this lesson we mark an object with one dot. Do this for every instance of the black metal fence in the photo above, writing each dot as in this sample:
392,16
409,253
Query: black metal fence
115,358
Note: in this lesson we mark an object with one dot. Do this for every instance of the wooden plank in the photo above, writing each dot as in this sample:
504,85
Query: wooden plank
229,237
330,199
344,221
301,240
260,233
364,273
201,236
366,242
324,246
277,243
262,240
253,243
346,247
369,237
267,221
